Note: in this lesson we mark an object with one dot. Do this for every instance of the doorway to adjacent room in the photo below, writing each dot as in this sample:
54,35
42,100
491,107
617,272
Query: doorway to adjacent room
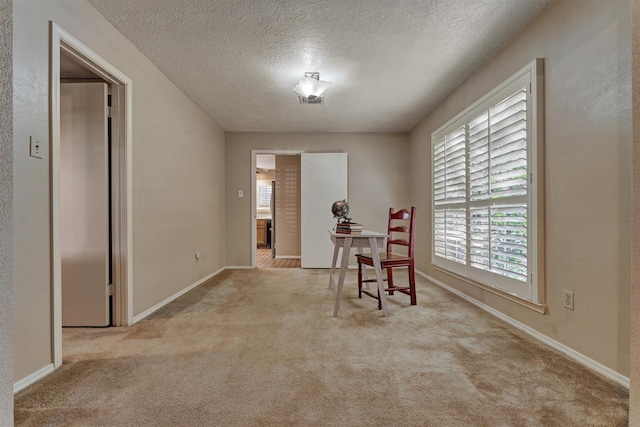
277,210
111,158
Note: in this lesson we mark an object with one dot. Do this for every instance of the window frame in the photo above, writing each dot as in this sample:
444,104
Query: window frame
530,293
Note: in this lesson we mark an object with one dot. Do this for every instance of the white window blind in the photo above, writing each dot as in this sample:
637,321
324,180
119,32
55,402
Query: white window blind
484,162
264,196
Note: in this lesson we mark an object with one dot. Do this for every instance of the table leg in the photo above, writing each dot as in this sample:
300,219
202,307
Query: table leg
343,270
336,248
376,263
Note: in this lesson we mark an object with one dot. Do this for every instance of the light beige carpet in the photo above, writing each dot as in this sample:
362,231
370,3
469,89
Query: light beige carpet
260,348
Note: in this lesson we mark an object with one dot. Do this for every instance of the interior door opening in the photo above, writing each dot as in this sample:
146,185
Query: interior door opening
68,55
277,211
86,241
265,209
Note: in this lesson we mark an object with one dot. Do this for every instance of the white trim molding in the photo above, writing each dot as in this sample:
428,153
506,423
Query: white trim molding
175,296
578,357
36,376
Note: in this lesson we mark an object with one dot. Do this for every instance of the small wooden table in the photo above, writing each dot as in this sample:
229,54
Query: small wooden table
367,239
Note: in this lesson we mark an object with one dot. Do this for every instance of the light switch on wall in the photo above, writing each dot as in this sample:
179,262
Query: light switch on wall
240,194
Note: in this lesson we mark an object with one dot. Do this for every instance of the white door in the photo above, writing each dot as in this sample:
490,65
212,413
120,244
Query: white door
84,204
324,180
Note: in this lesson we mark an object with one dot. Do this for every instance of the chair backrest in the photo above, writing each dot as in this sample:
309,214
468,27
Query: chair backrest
402,221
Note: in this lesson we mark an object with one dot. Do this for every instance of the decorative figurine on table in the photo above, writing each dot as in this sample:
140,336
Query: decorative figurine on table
340,210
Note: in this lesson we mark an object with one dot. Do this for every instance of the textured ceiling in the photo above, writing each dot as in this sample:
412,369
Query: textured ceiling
391,62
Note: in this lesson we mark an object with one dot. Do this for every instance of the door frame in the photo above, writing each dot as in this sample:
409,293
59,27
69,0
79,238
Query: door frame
254,211
121,169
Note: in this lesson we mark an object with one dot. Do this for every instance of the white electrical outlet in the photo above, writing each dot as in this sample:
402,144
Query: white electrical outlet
568,300
35,148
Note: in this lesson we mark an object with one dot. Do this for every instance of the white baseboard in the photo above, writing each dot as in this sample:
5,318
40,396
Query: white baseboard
288,257
37,375
578,357
161,304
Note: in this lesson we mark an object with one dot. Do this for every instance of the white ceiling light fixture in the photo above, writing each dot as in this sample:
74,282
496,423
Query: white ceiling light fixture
310,88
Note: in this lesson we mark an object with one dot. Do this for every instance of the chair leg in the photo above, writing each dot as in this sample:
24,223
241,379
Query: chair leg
390,280
412,285
359,280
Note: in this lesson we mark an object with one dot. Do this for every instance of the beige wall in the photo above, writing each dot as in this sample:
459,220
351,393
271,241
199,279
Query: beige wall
378,177
6,214
586,46
178,175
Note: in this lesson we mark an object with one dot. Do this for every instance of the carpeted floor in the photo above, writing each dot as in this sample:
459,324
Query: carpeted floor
260,348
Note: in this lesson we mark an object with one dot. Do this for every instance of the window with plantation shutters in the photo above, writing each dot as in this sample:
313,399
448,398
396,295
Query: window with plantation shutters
485,198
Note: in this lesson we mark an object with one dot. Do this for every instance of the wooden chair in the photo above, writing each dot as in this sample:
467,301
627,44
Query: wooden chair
400,222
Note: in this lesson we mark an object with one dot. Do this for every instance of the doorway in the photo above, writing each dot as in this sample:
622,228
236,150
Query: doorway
263,169
66,51
265,211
